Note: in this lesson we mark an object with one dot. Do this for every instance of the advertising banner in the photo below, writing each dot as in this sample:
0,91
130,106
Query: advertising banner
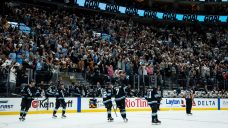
92,104
151,13
136,103
87,103
172,102
224,103
39,105
49,104
196,103
205,103
96,104
9,104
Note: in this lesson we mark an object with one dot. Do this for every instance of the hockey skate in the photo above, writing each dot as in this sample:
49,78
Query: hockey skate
125,120
110,119
189,114
22,118
54,116
63,116
156,122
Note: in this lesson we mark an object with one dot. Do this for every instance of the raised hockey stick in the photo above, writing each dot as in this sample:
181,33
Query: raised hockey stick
113,103
42,100
14,94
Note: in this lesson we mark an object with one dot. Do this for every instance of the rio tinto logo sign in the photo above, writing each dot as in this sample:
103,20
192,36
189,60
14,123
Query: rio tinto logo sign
135,103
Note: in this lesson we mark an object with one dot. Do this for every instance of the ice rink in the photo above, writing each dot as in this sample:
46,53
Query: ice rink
170,119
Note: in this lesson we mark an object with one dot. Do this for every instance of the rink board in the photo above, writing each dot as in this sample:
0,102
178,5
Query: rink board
223,104
11,106
138,104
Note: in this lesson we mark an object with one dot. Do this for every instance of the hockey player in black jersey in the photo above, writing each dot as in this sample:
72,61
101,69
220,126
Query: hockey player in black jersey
50,91
59,94
119,93
28,93
107,100
152,98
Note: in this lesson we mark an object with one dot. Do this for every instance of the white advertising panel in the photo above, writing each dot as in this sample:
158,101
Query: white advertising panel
41,104
14,104
91,103
172,102
136,103
224,103
10,104
205,103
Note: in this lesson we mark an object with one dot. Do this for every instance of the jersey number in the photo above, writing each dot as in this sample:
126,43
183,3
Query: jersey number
149,94
117,91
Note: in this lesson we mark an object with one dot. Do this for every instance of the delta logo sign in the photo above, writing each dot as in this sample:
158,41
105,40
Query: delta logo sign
200,103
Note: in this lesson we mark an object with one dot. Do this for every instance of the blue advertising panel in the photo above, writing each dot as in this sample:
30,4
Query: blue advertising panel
162,15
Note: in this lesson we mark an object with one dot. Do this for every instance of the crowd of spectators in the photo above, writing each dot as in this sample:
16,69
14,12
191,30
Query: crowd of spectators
197,94
96,44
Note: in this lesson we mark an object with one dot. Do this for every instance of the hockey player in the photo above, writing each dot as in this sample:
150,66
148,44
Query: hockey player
188,98
152,98
50,91
107,100
119,93
28,93
59,94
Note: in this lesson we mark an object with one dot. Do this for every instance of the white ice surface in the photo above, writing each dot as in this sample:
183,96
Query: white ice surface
170,119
